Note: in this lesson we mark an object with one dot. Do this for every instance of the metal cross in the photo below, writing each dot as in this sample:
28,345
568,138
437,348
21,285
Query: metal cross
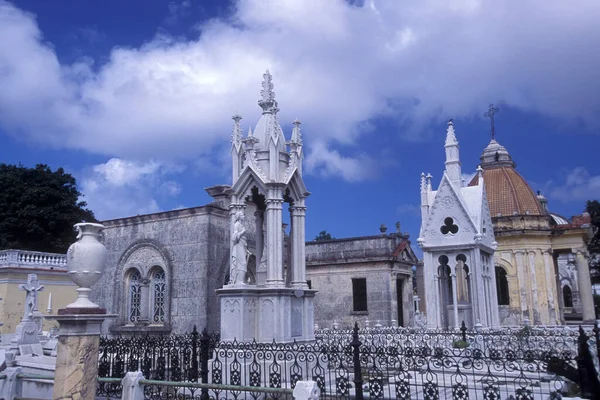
490,114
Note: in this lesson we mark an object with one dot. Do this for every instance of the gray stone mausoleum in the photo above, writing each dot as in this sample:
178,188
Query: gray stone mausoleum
164,269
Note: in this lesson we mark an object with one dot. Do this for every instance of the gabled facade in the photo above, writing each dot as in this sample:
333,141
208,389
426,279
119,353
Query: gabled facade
458,245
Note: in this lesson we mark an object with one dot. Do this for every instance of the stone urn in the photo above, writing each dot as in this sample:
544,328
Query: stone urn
86,260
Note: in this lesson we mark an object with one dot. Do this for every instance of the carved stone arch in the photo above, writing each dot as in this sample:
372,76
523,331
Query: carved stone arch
507,265
246,182
297,188
143,255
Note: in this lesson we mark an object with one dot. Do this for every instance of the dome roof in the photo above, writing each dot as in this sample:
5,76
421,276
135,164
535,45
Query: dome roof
507,192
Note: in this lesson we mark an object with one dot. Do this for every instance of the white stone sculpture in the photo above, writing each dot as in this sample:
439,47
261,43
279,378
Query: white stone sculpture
31,301
86,260
239,266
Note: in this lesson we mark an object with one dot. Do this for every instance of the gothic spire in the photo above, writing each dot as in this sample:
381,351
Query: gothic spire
450,135
296,132
267,101
236,135
453,169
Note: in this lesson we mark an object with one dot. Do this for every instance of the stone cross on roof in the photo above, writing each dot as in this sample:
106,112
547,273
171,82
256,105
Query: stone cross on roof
490,114
31,301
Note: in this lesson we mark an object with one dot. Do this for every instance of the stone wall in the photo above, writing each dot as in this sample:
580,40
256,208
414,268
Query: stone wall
191,245
331,265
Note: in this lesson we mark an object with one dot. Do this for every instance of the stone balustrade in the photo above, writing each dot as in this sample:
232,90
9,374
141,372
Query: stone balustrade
24,259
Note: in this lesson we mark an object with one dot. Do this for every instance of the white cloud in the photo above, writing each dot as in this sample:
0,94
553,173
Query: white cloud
177,10
120,188
336,66
578,185
330,163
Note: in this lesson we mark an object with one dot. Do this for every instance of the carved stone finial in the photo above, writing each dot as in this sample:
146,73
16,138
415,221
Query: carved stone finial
479,172
267,101
236,135
423,182
450,135
383,229
296,132
397,226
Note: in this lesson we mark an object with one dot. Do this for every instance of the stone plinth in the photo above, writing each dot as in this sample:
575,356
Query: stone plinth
77,354
252,312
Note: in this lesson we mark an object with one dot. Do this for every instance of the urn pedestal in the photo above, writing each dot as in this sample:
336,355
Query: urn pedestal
80,322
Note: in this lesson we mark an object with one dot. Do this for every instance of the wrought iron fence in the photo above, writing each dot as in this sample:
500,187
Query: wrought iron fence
385,363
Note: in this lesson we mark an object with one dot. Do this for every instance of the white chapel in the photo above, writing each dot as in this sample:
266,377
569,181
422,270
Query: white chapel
457,239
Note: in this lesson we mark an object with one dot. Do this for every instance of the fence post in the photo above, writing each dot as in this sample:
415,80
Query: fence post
358,382
463,331
11,387
204,350
193,372
597,337
306,390
132,390
583,361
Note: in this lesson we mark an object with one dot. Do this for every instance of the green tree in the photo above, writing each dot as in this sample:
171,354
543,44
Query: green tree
323,235
38,208
593,208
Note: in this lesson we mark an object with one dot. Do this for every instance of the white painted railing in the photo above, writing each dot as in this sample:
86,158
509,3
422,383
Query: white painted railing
32,258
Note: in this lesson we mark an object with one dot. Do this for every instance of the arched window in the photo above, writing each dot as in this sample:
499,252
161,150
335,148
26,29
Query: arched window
135,296
502,287
159,292
567,296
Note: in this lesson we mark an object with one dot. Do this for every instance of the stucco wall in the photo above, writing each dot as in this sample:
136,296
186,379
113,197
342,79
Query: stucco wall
12,305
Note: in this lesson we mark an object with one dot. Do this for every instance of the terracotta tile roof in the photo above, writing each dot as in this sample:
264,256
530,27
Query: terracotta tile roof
508,193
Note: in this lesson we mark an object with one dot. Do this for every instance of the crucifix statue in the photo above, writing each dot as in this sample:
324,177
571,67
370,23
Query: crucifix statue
31,301
490,114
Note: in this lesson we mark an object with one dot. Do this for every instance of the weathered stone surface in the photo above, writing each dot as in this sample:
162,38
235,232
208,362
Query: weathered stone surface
382,260
189,245
76,368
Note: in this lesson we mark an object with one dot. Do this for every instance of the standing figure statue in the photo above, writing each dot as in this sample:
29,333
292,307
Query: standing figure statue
237,272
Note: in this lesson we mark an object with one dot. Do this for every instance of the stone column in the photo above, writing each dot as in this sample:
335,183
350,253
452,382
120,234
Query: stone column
297,214
486,317
494,294
274,239
77,353
522,283
585,285
145,301
434,313
455,300
550,285
407,291
261,273
534,290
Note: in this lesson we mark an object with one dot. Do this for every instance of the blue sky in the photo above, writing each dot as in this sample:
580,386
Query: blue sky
135,97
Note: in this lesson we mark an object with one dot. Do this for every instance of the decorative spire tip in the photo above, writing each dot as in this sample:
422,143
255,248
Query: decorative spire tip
267,101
